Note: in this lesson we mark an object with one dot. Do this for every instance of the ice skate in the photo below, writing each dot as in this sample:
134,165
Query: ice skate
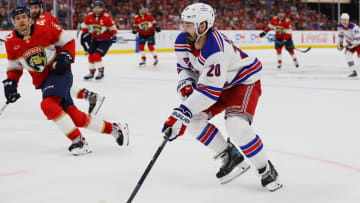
121,133
279,65
142,63
269,177
100,75
233,164
353,74
95,102
89,76
79,147
296,64
156,61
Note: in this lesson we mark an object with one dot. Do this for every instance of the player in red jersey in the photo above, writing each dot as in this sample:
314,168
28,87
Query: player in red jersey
98,33
47,54
145,24
95,100
282,26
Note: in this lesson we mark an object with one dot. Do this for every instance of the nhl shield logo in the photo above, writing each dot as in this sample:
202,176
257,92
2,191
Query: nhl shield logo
36,58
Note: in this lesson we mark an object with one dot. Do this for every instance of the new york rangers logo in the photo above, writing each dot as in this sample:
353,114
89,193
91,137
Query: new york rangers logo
36,58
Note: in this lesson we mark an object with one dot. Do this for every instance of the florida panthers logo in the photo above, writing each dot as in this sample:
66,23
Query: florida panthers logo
145,25
97,29
36,58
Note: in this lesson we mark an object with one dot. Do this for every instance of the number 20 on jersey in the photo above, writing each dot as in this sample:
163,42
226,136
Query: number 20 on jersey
214,71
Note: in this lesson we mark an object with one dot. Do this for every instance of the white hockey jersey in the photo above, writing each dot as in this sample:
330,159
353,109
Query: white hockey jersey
351,35
218,65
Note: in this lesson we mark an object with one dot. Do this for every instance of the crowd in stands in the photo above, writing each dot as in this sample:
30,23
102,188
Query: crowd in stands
230,14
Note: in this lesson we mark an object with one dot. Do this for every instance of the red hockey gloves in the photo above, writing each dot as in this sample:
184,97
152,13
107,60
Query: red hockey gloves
10,90
262,34
113,38
157,29
178,121
185,88
62,62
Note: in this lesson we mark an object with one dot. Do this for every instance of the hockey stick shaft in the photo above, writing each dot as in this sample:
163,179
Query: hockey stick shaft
303,51
150,165
3,107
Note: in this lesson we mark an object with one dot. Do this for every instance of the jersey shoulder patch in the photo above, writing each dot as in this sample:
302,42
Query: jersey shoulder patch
214,43
180,44
351,25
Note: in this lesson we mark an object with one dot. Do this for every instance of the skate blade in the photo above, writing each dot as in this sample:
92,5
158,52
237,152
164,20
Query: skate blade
98,105
80,152
126,134
273,186
235,173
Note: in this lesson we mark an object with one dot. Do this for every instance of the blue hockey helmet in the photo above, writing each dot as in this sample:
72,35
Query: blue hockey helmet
20,10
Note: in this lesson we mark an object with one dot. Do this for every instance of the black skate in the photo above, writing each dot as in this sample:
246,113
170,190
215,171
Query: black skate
100,75
95,102
79,147
269,177
353,74
121,133
89,76
233,164
296,64
156,61
279,66
142,63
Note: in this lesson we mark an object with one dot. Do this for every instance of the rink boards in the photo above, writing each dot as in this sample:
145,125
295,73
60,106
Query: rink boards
246,39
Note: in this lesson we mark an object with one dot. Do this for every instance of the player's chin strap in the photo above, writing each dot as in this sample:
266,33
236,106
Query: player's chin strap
202,34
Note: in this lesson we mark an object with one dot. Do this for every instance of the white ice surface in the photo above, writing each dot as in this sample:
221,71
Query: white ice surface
308,118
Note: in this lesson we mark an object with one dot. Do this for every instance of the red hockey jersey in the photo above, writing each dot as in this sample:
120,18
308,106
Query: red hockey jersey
282,28
145,25
101,28
47,17
37,52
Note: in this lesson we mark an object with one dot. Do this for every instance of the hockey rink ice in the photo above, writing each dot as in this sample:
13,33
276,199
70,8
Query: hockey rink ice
308,119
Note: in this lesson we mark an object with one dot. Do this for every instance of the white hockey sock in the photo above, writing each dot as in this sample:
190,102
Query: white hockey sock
74,91
66,125
99,64
96,125
206,133
212,138
91,66
154,54
279,59
142,54
244,136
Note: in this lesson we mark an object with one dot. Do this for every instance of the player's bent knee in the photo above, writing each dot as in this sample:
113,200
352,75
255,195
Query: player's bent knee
79,118
197,124
51,108
238,127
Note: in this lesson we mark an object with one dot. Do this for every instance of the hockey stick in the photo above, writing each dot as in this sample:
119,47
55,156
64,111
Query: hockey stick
303,51
150,165
2,40
3,107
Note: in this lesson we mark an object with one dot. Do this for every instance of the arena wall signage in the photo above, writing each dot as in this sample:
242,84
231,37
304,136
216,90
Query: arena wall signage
246,39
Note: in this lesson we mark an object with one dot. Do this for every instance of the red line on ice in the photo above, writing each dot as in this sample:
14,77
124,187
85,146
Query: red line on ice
334,163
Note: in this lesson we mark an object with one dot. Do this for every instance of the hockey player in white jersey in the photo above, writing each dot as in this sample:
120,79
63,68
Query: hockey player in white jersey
349,32
217,76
